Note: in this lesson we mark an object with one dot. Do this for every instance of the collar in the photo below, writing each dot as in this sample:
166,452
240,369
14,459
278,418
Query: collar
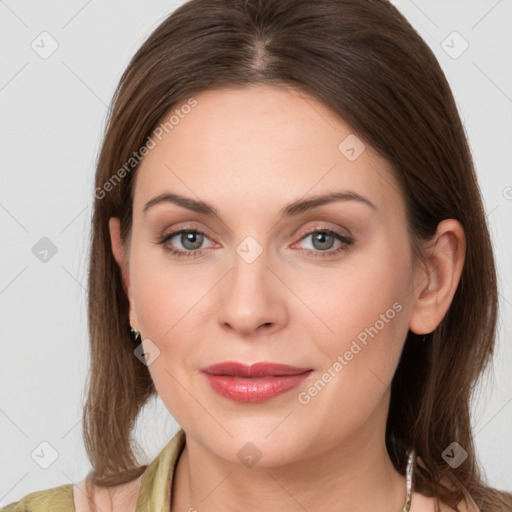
155,487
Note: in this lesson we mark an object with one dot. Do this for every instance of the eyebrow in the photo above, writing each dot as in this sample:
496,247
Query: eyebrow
292,209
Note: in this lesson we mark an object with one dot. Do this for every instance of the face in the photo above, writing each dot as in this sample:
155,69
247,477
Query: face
326,288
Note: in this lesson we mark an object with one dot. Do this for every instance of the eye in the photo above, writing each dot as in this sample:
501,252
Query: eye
322,240
190,239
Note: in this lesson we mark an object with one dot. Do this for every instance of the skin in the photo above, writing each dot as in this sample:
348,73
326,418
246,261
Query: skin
249,152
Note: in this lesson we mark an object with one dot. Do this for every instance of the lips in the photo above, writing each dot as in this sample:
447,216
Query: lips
234,369
254,383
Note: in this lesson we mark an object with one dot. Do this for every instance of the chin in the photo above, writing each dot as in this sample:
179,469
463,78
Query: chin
258,444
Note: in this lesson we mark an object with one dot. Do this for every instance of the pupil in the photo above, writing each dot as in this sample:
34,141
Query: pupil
320,237
189,238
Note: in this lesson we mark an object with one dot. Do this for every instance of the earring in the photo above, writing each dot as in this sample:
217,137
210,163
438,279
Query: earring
135,333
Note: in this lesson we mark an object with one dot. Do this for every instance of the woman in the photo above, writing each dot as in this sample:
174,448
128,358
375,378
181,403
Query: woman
288,221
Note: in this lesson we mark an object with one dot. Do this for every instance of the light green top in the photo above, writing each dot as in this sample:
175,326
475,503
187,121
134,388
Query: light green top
154,492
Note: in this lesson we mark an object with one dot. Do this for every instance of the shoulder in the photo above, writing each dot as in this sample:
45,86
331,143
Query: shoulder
82,497
56,499
91,498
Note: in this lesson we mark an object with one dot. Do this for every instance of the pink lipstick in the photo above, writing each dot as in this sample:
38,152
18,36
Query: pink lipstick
253,383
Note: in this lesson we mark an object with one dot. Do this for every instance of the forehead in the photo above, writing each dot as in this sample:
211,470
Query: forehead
261,143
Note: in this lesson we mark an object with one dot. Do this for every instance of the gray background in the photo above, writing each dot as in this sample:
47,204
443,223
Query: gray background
53,111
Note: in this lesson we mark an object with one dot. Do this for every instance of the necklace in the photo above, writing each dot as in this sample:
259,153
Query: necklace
408,480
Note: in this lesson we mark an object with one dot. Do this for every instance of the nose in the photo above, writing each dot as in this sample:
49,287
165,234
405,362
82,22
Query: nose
252,298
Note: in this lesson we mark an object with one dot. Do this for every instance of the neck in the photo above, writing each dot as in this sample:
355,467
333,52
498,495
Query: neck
356,475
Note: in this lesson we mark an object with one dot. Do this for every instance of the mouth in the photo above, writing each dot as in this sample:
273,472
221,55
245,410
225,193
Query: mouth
264,369
254,383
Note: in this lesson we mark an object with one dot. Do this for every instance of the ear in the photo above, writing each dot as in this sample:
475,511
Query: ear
437,281
119,253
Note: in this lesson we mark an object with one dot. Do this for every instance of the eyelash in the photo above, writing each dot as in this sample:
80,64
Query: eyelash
345,243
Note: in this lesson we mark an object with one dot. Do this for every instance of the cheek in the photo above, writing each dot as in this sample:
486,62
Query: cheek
167,304
364,310
166,295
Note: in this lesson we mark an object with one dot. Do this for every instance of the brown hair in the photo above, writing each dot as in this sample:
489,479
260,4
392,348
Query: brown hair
368,65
